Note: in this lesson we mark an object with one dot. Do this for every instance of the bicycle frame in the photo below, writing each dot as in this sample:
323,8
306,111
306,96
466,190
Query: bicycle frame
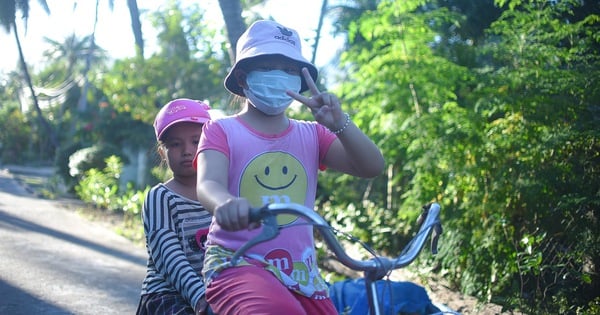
374,268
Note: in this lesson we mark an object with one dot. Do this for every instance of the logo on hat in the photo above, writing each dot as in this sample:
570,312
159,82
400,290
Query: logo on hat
286,35
285,31
176,109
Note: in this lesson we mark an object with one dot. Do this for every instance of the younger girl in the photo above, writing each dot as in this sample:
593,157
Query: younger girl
261,156
175,223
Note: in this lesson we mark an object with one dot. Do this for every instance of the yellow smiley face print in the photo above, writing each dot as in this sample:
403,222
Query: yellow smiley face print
274,177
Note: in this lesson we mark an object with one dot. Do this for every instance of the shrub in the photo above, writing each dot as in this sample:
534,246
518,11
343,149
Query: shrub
15,139
100,188
93,157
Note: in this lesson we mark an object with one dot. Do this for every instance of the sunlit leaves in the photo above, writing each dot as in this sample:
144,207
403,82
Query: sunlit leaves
487,125
187,64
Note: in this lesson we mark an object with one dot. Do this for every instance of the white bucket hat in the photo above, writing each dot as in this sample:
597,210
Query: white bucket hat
268,38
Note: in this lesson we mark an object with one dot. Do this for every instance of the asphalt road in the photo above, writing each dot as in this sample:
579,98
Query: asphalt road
53,261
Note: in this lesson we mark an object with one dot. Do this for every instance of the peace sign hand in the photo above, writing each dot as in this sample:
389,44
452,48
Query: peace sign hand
324,106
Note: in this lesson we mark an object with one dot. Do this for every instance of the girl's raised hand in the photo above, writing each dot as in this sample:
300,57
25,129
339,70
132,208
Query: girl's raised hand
324,106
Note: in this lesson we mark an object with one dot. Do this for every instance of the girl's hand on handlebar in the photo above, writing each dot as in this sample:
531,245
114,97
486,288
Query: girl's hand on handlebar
233,215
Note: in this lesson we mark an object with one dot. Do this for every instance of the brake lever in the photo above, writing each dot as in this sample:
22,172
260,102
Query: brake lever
437,228
437,231
270,229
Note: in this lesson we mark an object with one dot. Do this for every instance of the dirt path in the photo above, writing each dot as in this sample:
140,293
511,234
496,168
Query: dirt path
56,262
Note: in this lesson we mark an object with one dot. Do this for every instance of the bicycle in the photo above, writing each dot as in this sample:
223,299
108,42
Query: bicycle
374,268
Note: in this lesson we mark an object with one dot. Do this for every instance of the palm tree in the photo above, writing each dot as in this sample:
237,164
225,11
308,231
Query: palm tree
82,103
136,25
8,17
68,53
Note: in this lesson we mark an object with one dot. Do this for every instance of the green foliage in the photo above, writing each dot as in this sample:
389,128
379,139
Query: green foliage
97,188
22,141
15,136
122,100
488,107
505,137
61,163
131,203
541,157
93,157
188,64
100,188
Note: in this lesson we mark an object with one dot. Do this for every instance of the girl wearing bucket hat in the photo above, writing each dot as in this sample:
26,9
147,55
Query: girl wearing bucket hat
261,156
174,221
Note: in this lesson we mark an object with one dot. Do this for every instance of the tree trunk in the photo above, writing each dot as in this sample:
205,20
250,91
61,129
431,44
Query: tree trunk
82,103
136,26
234,23
44,124
318,33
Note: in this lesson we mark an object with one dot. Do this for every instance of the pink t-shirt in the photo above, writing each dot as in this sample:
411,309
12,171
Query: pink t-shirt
272,169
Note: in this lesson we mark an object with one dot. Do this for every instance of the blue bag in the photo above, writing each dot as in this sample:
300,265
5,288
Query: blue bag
350,297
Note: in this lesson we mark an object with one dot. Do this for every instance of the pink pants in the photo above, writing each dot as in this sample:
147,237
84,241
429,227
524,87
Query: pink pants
253,290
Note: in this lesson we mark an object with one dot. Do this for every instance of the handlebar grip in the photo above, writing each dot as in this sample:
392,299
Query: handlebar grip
257,214
270,230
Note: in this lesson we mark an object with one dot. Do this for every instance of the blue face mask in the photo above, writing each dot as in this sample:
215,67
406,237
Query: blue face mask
266,90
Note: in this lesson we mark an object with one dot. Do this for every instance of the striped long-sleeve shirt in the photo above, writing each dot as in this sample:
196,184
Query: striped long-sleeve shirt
174,227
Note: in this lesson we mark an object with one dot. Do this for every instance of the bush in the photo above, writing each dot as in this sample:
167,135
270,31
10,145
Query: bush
61,162
15,139
93,157
100,188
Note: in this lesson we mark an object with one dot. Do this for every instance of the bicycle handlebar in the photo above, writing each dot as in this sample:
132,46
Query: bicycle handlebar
376,267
